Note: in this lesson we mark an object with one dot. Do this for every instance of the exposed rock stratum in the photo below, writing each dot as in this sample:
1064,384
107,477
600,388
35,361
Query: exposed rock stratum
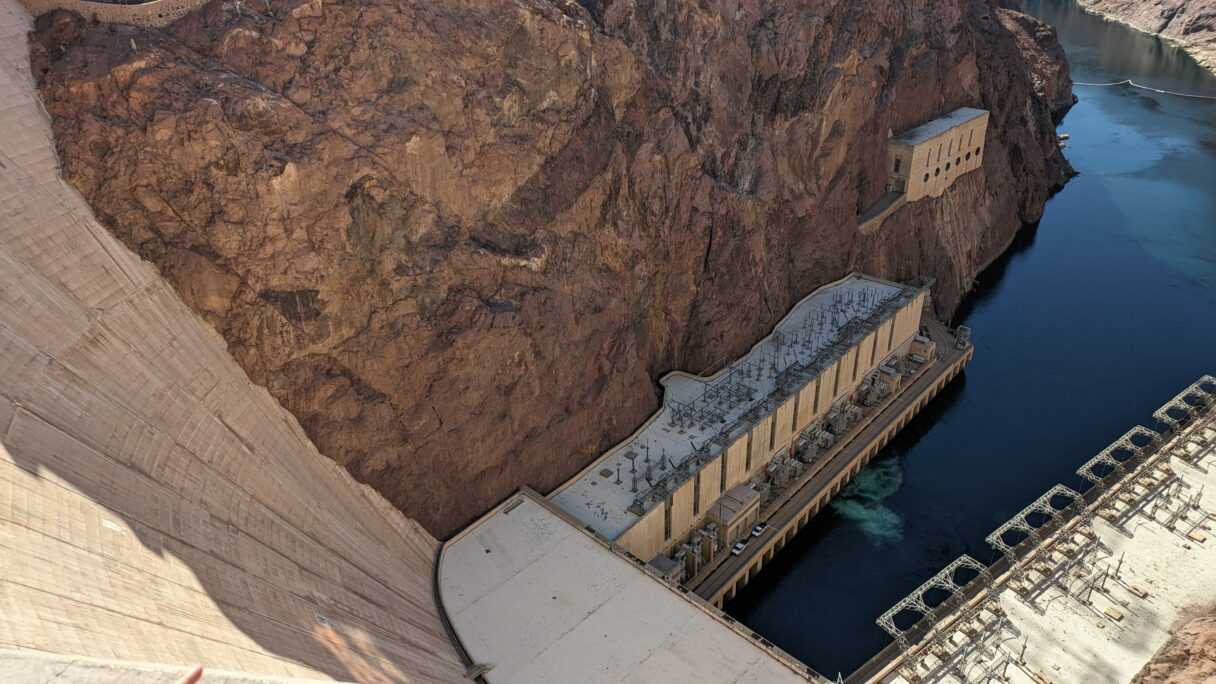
461,240
1190,23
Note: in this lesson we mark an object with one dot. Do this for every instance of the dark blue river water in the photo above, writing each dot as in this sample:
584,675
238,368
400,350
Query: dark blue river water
1091,321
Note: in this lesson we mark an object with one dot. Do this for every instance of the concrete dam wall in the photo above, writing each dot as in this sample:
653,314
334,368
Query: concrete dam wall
155,13
155,505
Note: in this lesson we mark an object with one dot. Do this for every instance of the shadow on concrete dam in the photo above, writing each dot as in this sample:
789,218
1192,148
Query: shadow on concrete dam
156,505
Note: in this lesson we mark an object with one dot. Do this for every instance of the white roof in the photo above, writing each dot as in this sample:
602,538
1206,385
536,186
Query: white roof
540,600
702,416
938,126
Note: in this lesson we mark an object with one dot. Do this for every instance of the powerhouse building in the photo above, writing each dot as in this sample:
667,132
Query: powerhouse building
687,479
924,161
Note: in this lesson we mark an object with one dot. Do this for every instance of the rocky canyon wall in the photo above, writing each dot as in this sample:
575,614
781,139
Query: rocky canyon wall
1189,657
459,241
1190,23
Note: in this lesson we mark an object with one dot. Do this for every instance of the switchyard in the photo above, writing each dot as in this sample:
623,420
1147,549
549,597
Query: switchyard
830,466
769,437
634,551
1103,570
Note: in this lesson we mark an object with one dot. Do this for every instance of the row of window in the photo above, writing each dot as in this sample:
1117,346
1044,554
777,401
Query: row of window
958,161
899,162
950,149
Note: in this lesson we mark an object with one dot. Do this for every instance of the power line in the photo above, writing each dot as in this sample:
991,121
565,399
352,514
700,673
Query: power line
1143,87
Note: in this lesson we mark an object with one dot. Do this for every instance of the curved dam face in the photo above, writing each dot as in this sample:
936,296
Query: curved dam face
155,505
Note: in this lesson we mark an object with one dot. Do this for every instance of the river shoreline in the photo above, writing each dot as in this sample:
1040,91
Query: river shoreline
1203,52
1068,326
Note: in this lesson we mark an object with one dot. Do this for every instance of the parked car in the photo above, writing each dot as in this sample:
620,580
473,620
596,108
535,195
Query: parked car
759,529
738,548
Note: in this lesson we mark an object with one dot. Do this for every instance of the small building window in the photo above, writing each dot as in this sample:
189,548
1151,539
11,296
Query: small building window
696,495
937,172
947,166
926,178
722,477
968,156
958,160
898,162
747,461
977,151
667,519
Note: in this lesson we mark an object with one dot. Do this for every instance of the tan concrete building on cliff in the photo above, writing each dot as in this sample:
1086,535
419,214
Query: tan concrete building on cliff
925,161
675,487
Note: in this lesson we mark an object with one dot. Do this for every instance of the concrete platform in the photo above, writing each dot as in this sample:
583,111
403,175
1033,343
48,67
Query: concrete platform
536,598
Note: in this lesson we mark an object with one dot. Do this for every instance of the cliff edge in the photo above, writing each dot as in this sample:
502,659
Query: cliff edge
460,240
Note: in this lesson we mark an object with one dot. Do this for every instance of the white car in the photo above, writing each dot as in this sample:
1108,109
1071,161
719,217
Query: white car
759,529
738,548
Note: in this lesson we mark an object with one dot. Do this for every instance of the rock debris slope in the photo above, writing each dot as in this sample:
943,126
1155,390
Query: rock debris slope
155,505
459,240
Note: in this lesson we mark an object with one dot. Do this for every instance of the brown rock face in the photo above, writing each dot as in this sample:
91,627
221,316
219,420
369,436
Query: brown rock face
1190,23
1189,657
460,240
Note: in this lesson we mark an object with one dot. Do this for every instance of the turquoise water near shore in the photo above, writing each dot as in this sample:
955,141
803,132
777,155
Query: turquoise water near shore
1093,318
861,502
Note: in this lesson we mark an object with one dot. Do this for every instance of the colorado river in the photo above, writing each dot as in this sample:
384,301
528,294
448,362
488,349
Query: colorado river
1087,324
